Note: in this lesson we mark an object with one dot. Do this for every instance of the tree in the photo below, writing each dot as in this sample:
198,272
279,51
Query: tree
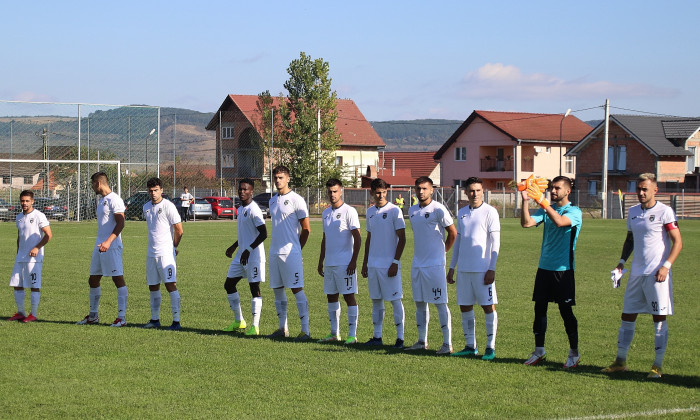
309,89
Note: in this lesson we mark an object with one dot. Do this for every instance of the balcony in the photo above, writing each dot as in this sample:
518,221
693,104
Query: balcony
495,165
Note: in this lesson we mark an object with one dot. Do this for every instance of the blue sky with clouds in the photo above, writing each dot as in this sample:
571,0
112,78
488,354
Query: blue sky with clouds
395,59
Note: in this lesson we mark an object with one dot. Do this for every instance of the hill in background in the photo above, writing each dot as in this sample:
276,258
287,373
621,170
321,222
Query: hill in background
415,135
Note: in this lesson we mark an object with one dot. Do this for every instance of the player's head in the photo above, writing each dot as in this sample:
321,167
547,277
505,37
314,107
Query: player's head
245,190
281,175
378,189
424,189
155,189
475,191
334,191
99,182
647,189
26,200
186,190
560,188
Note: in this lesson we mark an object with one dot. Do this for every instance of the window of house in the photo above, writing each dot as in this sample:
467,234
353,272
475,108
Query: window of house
617,158
227,132
29,180
6,180
569,164
461,183
460,153
338,161
227,161
500,185
632,186
692,159
592,187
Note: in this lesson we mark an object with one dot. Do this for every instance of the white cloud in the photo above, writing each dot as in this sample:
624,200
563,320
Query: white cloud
500,81
28,96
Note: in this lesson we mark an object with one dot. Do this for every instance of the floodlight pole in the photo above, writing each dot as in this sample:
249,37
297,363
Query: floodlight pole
605,160
561,133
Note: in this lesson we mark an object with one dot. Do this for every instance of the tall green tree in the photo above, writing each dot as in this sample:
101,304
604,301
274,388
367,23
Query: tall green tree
310,93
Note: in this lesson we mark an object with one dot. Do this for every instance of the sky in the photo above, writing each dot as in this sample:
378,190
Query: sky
396,59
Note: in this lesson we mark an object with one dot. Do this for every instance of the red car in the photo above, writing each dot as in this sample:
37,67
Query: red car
221,207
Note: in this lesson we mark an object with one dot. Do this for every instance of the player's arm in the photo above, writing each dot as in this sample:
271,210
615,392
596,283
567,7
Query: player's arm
560,220
453,262
400,245
44,240
305,231
177,235
119,226
495,238
322,254
365,271
17,250
262,235
451,236
526,220
230,250
677,245
627,248
356,244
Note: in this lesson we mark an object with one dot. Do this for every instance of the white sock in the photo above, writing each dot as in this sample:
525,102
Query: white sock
422,319
445,322
660,341
353,312
303,308
469,328
334,316
491,321
95,293
256,309
34,298
175,305
155,305
122,294
19,300
378,317
281,306
624,338
399,317
234,301
539,351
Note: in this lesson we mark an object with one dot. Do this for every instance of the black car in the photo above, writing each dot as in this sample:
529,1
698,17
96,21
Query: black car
53,208
263,200
134,205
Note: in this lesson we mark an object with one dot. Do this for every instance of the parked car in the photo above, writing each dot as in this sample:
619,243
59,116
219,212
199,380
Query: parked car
53,208
8,212
200,209
263,201
221,207
134,204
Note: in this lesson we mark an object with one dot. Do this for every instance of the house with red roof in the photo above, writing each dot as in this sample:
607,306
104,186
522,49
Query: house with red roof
500,147
403,168
239,152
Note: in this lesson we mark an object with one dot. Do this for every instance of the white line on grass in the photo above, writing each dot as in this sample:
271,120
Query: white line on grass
639,414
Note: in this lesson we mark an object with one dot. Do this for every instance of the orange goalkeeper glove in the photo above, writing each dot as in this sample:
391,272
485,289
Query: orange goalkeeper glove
540,182
533,191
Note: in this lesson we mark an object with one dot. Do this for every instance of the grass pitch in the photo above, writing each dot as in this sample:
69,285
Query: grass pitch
54,368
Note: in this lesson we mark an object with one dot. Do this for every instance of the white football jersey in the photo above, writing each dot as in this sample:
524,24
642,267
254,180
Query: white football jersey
652,243
160,219
474,251
382,223
428,224
338,225
286,211
29,229
250,217
106,208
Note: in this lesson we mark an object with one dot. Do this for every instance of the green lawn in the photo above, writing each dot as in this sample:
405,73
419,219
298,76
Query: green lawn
54,368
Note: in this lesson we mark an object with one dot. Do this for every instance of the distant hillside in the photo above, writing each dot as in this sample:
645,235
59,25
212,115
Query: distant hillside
415,135
192,142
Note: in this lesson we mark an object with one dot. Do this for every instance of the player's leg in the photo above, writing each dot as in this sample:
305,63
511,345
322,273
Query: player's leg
234,299
112,264
466,300
255,307
153,279
303,308
32,280
488,299
634,303
353,314
330,288
95,289
541,296
294,279
436,284
169,270
122,298
375,293
660,300
17,283
277,286
422,311
566,298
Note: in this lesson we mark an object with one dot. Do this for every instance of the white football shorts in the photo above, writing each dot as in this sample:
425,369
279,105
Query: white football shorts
429,284
381,286
286,270
107,263
644,295
472,290
161,269
336,280
254,272
26,275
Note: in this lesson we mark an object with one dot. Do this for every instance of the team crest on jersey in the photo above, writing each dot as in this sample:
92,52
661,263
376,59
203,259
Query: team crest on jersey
160,211
104,203
245,213
651,218
427,215
31,220
286,202
337,216
384,216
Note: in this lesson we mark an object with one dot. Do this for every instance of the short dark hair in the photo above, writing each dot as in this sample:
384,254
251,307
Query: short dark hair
99,175
423,180
154,182
27,193
333,182
566,179
246,181
474,180
281,169
378,183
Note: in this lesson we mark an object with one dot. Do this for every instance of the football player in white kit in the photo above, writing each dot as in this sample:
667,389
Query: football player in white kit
164,235
386,239
340,248
33,232
476,252
429,221
653,235
249,261
290,231
107,253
